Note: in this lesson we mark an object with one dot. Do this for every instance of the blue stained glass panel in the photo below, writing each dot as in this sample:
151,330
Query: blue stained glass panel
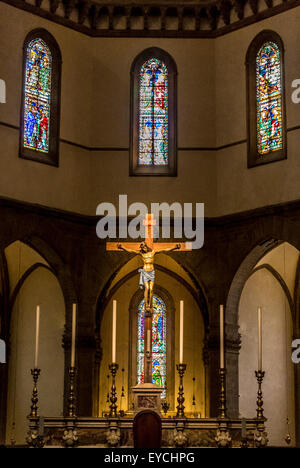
159,344
153,113
37,96
269,99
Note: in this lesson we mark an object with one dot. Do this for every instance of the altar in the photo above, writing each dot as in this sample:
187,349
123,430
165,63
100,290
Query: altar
118,432
176,428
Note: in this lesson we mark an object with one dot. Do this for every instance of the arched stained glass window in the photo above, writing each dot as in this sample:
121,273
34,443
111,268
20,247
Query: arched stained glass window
40,98
159,343
266,105
37,96
153,113
269,102
153,119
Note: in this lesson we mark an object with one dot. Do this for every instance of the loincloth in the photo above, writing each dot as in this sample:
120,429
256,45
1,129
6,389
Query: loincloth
145,276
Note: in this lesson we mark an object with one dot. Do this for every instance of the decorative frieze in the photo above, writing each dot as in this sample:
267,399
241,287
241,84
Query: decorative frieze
113,18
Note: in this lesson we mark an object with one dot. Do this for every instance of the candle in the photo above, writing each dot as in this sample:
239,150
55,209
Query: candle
37,332
259,323
73,335
222,337
114,331
148,340
181,333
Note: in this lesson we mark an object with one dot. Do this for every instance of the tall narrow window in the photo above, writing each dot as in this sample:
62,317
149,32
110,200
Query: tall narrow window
153,120
153,114
40,101
269,102
266,111
159,343
2,92
37,96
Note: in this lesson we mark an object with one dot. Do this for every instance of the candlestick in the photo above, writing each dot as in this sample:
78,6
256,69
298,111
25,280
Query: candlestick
34,400
222,337
260,435
222,408
37,333
73,335
259,374
71,398
259,323
114,331
113,399
181,333
180,408
288,437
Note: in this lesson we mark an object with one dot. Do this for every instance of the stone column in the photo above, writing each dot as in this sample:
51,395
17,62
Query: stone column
213,359
3,400
86,359
233,345
96,380
297,395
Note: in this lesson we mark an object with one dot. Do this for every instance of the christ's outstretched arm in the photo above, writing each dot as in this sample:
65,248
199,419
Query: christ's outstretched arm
120,247
177,247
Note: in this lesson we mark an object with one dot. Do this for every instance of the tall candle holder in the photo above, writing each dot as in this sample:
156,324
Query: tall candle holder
71,398
113,367
222,408
180,407
259,402
223,436
260,435
34,400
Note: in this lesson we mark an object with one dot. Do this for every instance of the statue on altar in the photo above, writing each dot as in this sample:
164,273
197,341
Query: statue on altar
147,273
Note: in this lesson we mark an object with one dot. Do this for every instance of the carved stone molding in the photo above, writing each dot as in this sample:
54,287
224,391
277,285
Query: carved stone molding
182,18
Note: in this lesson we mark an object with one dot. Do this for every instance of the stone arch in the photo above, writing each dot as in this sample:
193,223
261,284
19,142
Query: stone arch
110,291
199,294
282,283
270,232
60,269
241,276
63,275
285,232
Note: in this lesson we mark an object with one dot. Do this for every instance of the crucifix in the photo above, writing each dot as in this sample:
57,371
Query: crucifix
147,250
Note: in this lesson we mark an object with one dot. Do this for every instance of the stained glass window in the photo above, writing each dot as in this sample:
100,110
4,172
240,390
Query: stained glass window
269,99
159,343
37,96
153,113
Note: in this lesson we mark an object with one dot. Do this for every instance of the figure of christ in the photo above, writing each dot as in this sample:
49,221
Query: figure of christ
147,273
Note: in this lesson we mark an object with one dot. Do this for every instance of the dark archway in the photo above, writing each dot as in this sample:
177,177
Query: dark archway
244,272
109,292
62,274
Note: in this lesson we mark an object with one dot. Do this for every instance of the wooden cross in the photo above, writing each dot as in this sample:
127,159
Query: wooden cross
149,222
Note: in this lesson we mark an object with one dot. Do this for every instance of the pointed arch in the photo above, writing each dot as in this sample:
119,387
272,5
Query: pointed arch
40,109
153,146
266,99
